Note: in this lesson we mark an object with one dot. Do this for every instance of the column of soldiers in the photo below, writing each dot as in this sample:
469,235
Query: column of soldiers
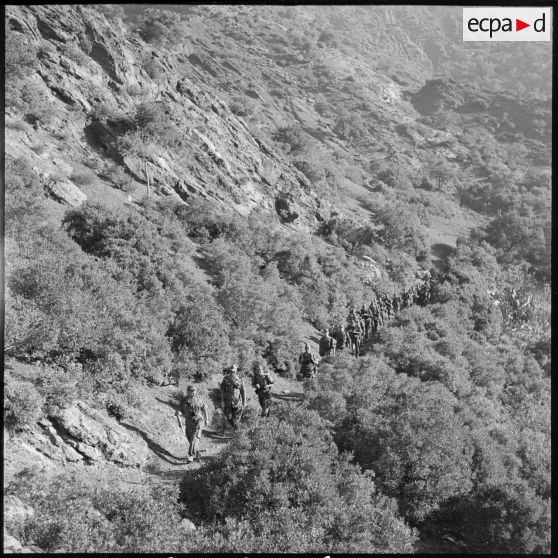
363,324
360,327
193,408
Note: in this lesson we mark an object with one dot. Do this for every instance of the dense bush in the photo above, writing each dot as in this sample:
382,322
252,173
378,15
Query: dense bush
22,403
293,137
401,230
153,119
77,514
281,487
407,432
83,177
159,26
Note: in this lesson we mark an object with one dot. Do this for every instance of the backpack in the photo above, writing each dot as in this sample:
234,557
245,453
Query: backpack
264,382
232,387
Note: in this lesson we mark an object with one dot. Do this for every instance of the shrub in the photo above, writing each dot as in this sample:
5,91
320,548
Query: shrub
58,387
154,120
199,336
76,513
83,177
284,486
159,26
242,106
153,68
23,201
120,178
293,137
312,170
22,403
134,90
20,57
401,230
74,53
408,432
38,106
105,110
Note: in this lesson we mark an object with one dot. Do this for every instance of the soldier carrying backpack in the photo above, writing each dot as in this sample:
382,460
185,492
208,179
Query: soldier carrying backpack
308,363
233,396
194,411
263,381
327,345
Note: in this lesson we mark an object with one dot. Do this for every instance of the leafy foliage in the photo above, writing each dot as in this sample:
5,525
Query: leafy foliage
285,477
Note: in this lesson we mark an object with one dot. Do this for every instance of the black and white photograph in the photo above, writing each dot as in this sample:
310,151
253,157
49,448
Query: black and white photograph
277,279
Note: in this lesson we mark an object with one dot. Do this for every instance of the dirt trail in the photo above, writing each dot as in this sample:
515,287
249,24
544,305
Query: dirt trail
157,425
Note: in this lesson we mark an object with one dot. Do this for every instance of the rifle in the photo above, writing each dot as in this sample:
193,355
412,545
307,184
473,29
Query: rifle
177,415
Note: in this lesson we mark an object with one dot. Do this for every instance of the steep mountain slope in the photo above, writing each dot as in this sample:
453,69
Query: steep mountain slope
214,184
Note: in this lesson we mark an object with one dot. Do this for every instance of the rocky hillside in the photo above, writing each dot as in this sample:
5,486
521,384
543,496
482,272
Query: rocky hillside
192,186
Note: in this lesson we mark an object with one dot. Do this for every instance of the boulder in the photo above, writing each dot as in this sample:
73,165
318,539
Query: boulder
66,192
15,511
97,436
11,544
188,525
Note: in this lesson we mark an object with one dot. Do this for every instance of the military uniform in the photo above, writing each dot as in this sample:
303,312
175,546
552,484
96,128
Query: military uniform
367,319
233,398
355,330
194,410
308,364
327,345
342,338
263,381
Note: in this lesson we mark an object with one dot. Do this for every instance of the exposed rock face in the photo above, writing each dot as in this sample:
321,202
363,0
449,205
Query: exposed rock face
11,544
88,59
96,436
66,192
16,513
188,525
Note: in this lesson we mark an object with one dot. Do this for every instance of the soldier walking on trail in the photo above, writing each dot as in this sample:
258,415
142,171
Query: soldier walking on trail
367,319
308,363
342,338
263,381
327,345
233,396
194,411
355,331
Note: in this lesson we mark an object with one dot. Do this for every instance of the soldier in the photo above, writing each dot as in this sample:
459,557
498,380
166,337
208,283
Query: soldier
342,338
374,311
367,319
263,381
233,396
388,308
308,363
355,331
396,303
194,411
327,345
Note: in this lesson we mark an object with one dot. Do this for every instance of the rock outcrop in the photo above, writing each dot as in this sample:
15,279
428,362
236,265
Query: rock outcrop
88,60
96,436
66,192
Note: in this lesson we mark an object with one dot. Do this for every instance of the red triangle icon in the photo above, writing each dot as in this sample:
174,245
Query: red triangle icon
519,25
